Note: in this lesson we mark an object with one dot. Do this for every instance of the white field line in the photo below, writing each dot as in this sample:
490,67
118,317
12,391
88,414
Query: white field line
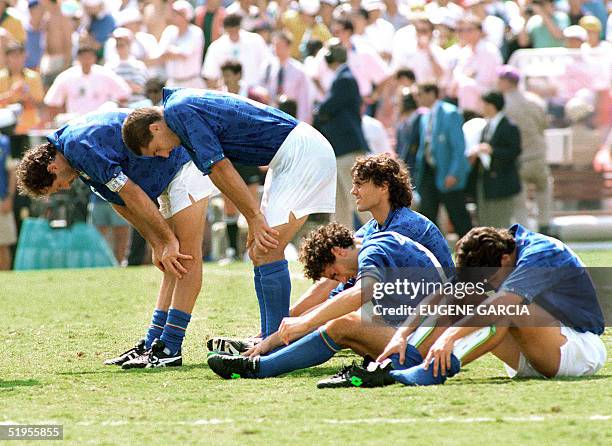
369,421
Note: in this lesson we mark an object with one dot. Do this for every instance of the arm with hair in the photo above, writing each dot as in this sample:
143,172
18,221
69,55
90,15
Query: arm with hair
315,295
164,242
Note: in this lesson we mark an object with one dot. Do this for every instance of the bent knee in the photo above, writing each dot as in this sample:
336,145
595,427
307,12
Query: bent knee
340,329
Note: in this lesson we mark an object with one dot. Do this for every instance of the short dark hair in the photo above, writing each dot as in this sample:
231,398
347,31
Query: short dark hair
232,65
313,46
346,25
33,176
316,250
154,85
483,247
382,170
407,73
232,21
495,98
408,102
135,130
287,105
429,87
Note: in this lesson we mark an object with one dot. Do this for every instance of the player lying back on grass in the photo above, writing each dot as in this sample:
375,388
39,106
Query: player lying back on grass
91,148
218,129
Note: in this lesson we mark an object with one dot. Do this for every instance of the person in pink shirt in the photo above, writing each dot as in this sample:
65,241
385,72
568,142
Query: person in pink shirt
477,64
85,87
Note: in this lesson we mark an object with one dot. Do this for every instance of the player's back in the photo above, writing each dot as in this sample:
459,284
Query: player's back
250,133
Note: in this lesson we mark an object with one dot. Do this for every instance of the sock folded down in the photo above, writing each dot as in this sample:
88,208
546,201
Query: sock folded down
313,349
418,376
276,293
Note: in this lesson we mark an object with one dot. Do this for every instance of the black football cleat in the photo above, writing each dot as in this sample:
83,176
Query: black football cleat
157,356
232,367
128,355
375,375
230,346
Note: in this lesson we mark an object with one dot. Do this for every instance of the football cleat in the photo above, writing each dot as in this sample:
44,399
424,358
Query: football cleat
375,375
157,356
232,367
128,355
230,346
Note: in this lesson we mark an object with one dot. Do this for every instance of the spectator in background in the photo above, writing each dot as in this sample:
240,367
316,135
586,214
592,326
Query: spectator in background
286,76
376,135
8,229
425,58
180,48
492,26
593,27
441,167
287,105
143,46
232,78
236,44
326,12
586,139
209,18
58,29
304,24
9,20
20,85
130,69
97,25
494,165
338,118
85,87
477,64
407,130
156,16
544,25
34,43
393,15
378,32
528,112
248,10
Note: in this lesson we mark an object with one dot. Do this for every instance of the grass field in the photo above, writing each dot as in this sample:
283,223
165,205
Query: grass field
58,326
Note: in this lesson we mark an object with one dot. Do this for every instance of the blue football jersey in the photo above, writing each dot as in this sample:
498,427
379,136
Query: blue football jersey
94,147
550,274
214,125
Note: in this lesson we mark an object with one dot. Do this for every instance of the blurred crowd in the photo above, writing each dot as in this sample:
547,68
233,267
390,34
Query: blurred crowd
462,91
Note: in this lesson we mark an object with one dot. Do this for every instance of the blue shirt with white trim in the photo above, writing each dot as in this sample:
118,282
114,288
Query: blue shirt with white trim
550,274
94,147
214,125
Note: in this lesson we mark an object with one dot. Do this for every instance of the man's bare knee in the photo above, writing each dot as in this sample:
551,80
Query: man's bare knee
342,328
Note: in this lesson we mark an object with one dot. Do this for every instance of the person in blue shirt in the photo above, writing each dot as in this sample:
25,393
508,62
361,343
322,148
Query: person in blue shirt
91,148
218,129
556,333
357,318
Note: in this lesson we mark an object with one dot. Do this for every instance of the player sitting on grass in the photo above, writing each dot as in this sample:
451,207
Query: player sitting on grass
91,148
333,253
560,337
382,186
218,129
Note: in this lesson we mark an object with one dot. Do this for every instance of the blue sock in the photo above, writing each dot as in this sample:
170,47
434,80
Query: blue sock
418,376
413,357
260,299
313,349
174,331
276,292
156,328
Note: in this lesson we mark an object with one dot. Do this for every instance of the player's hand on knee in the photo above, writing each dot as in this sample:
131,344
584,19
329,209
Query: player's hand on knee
171,258
262,236
439,355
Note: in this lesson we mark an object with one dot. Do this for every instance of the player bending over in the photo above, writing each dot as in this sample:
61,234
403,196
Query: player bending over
91,149
218,129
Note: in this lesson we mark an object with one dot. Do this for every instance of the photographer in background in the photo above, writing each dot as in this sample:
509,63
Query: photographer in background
544,25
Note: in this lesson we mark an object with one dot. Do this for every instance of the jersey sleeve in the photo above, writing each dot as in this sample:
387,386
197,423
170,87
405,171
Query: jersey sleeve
93,163
197,137
371,261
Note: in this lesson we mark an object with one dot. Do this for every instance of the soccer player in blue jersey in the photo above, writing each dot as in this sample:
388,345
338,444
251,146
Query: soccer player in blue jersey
91,148
560,335
220,128
348,321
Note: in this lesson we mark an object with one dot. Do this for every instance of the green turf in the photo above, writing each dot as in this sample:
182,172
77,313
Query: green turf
58,326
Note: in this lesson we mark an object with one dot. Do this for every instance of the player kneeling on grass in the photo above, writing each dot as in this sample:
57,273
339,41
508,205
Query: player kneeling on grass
557,336
91,148
218,129
382,186
333,253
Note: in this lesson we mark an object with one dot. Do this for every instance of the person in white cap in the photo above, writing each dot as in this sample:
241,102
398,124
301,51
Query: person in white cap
305,24
130,69
181,47
248,10
378,32
97,24
143,46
